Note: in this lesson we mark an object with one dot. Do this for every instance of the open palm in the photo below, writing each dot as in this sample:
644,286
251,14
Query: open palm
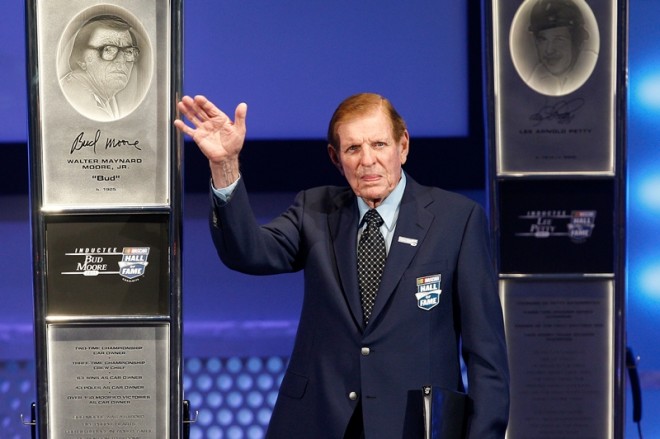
219,139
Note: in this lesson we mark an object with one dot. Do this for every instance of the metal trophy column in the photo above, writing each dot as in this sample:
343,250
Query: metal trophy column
556,101
106,196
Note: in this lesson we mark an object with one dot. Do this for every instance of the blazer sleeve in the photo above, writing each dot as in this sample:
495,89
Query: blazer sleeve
246,246
482,332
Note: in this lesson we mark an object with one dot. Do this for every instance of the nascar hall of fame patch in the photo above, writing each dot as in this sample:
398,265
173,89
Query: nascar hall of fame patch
130,263
578,225
428,292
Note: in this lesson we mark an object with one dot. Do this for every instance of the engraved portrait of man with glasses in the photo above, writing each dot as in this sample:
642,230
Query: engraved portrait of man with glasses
102,59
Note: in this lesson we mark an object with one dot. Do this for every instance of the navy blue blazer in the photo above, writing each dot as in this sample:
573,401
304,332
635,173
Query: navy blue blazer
410,342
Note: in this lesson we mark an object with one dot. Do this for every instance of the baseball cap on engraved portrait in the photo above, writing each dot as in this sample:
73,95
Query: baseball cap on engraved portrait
104,63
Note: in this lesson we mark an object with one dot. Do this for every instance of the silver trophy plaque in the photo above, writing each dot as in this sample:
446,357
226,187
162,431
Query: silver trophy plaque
555,86
561,337
106,192
104,103
108,382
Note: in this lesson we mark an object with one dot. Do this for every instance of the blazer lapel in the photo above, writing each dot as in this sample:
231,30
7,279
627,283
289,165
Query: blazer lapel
412,225
343,223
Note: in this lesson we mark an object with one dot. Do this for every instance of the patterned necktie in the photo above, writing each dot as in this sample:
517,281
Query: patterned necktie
371,261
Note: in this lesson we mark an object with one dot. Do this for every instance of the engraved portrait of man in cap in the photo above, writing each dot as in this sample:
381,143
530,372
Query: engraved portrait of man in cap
554,45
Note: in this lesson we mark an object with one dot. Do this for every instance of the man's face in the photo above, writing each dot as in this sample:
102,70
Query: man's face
555,49
369,157
110,76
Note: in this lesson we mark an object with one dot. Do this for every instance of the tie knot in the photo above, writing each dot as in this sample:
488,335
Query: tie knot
373,218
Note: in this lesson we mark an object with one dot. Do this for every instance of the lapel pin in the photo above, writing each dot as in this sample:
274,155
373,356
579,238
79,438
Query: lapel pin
409,241
428,291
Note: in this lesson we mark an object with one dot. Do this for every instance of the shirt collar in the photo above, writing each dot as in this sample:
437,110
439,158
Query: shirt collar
389,207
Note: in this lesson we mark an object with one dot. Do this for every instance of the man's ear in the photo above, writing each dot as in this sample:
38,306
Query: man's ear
405,147
334,158
82,65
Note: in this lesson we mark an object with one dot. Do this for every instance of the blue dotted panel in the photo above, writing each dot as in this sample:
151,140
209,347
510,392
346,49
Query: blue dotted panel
234,397
17,393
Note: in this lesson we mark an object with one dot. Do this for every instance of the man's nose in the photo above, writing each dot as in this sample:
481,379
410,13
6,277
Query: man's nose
368,155
121,58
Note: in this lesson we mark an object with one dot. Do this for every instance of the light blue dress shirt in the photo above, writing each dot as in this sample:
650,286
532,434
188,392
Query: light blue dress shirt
388,211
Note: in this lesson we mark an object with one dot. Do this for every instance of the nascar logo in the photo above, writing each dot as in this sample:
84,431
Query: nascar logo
133,262
428,292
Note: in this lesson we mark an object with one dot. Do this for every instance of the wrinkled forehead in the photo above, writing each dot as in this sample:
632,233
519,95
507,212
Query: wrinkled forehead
370,125
103,34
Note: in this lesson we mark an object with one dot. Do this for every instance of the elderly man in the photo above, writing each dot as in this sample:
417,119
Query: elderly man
104,53
398,280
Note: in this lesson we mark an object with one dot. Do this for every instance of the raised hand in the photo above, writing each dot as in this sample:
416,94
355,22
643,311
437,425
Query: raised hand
219,139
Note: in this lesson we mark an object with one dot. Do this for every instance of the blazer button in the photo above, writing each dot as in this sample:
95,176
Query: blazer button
353,396
365,351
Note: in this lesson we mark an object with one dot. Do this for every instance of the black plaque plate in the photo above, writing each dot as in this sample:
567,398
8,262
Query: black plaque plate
107,265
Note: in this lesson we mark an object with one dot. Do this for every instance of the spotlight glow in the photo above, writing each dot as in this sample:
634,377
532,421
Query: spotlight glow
648,92
649,281
649,193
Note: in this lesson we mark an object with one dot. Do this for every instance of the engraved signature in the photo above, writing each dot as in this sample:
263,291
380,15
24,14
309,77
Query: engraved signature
563,112
82,142
117,143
